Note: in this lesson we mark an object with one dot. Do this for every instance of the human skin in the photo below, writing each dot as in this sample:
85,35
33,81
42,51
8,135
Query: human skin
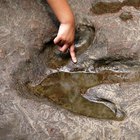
66,33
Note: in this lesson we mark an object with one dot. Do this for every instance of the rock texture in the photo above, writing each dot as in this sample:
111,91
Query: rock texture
26,30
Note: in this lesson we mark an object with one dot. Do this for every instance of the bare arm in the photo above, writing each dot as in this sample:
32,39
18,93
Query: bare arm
66,33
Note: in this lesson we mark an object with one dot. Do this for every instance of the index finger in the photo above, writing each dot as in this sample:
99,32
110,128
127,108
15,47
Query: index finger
72,53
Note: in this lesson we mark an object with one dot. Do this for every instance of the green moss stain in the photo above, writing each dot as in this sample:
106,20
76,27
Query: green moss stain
66,90
102,7
126,16
113,7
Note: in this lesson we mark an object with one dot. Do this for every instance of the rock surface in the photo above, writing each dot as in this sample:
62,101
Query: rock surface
26,29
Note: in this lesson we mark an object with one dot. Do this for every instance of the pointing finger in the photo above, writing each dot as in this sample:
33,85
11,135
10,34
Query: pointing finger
72,53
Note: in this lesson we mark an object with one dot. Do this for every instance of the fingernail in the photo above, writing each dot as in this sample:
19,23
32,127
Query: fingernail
75,60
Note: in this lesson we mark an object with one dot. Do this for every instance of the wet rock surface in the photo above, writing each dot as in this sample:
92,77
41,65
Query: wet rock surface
108,49
65,89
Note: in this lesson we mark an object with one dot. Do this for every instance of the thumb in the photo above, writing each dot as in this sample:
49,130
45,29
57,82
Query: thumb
57,40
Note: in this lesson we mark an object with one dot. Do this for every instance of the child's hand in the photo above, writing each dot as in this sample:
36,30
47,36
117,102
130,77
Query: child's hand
65,39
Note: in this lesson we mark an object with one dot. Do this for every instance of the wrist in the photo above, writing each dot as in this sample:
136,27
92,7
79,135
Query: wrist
68,20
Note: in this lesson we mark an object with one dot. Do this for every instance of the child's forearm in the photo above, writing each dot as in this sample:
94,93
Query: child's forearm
62,11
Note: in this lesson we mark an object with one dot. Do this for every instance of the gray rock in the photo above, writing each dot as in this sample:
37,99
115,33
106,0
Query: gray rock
26,31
